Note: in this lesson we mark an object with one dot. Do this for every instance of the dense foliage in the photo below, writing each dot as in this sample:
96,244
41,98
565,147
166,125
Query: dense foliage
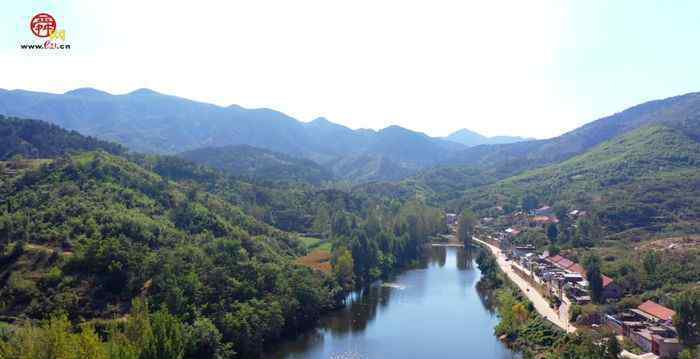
38,139
645,180
88,233
255,164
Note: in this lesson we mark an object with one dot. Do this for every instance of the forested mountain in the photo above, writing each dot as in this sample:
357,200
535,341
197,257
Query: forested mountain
259,165
38,139
509,159
147,121
88,233
366,168
93,235
646,179
471,138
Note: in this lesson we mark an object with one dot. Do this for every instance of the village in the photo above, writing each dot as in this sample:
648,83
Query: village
561,282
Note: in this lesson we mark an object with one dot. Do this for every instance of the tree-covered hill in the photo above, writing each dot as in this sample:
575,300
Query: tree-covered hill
150,122
256,164
506,160
86,234
649,178
39,139
83,235
367,168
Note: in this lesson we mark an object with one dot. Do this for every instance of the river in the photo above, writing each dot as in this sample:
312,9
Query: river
435,311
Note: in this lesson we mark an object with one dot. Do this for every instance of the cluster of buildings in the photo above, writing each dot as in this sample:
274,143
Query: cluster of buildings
650,327
562,276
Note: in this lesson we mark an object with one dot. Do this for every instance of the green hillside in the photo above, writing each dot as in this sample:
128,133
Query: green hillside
86,235
257,164
38,139
86,238
647,178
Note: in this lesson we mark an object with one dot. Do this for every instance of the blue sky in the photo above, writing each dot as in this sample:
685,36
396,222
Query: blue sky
535,68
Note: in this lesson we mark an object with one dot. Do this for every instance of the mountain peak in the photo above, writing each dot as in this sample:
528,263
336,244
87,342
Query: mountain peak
471,138
321,120
86,91
465,131
143,92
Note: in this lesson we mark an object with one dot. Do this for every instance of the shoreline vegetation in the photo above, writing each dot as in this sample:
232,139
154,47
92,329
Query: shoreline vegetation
522,328
84,235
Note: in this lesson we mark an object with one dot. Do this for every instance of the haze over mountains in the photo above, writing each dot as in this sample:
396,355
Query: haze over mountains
150,122
471,138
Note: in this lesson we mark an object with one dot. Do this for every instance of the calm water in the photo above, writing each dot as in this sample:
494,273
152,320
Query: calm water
434,312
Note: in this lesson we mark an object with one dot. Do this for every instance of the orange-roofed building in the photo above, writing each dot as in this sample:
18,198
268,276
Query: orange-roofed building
565,263
656,310
554,259
577,268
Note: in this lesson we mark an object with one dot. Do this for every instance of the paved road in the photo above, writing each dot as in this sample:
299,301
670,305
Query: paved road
541,304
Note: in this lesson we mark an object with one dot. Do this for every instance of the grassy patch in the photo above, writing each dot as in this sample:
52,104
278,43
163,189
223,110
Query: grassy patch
309,242
312,243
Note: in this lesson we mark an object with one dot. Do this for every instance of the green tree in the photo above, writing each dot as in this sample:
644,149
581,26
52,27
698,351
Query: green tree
343,269
562,213
594,277
553,249
465,226
205,341
687,318
612,346
90,345
651,261
688,353
322,220
530,202
168,340
552,232
138,328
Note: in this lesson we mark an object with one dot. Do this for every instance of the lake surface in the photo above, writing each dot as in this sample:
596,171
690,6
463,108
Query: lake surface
432,312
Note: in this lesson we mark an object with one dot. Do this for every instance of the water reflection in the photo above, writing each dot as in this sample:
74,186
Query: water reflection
435,311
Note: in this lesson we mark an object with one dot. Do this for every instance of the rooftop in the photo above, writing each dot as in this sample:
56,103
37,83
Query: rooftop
555,259
656,310
565,263
606,281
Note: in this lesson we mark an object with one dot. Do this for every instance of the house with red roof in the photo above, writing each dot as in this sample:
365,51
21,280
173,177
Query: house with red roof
554,259
657,311
611,290
565,263
650,327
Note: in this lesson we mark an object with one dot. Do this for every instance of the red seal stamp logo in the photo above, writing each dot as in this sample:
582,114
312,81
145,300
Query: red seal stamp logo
43,25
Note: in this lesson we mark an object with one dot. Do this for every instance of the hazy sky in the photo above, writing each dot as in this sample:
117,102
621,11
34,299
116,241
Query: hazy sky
530,68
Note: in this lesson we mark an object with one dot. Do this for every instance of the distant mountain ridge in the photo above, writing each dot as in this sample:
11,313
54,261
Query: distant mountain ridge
148,121
509,159
151,122
471,138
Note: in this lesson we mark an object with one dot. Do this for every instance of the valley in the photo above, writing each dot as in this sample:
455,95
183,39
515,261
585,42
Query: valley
248,233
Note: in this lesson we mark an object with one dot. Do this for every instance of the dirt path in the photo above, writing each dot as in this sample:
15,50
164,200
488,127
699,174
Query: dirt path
541,304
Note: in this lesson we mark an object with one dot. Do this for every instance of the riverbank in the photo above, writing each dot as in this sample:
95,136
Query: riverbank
432,311
558,318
